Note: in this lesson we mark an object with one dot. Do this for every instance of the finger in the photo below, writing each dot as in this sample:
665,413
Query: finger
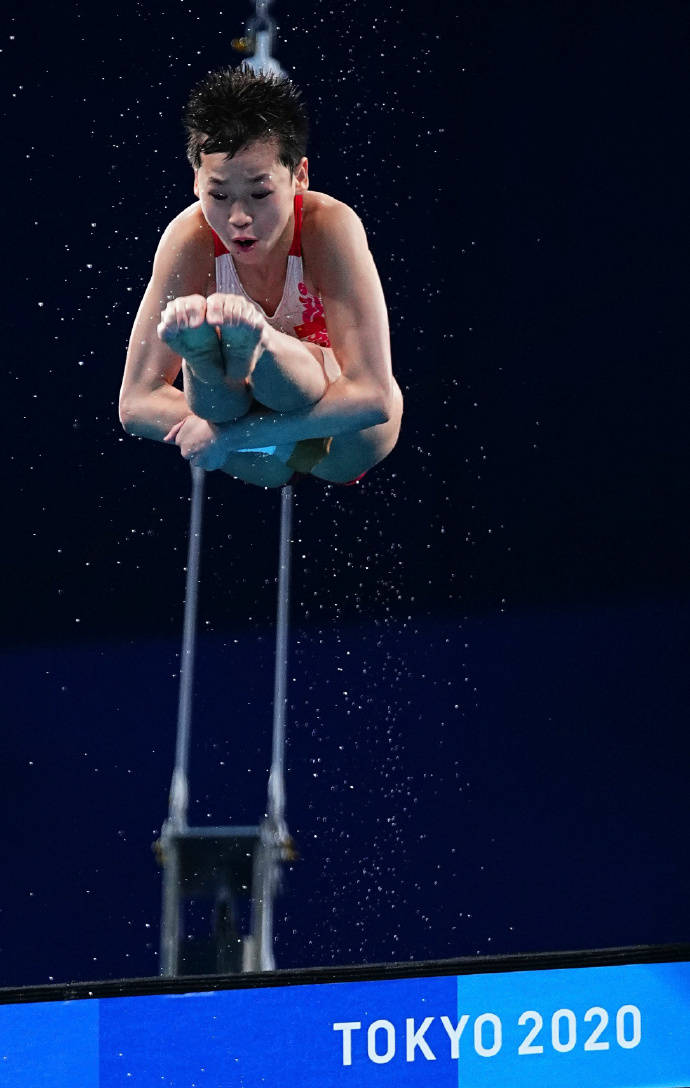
239,311
190,311
214,308
174,431
168,320
170,316
185,312
231,310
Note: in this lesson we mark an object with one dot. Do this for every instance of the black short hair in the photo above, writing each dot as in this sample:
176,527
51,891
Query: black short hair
232,107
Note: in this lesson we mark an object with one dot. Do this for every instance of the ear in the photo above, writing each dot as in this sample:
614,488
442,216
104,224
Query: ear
302,176
196,183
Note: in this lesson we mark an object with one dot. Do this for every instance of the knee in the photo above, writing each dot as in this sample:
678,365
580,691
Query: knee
279,392
280,399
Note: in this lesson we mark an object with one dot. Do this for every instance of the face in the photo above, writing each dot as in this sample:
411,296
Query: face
248,199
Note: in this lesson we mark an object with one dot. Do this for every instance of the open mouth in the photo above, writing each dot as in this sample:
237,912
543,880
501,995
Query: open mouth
244,244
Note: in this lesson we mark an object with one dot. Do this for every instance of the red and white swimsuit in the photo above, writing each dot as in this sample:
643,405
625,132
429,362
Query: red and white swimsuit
299,313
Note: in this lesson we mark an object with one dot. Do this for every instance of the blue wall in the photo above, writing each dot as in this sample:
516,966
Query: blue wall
489,785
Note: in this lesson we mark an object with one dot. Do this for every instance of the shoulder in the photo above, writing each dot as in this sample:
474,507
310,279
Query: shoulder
333,235
325,216
186,248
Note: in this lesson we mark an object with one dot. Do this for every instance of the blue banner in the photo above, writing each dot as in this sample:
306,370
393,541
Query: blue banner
623,1026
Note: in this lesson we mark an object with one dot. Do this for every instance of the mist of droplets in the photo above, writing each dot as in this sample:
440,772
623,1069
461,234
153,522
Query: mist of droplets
112,512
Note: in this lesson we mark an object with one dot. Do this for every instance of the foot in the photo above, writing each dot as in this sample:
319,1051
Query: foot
242,329
238,345
183,327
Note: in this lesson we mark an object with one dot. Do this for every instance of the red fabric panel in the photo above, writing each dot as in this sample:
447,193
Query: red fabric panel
296,247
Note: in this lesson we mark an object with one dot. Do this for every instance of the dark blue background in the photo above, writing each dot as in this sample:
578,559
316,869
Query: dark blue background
488,677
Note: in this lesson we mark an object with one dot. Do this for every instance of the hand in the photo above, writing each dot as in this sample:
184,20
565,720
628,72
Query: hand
233,310
187,312
198,442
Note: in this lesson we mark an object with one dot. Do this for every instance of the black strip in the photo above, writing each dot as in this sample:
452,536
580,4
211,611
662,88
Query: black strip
469,965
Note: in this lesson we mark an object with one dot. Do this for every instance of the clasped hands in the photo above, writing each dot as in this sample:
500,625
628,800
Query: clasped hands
199,442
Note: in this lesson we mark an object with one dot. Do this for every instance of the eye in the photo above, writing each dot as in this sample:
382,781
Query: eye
255,196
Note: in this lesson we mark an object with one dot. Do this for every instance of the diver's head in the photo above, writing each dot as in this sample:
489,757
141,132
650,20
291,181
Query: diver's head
234,107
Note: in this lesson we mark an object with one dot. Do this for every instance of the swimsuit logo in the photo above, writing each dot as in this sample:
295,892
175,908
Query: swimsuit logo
313,327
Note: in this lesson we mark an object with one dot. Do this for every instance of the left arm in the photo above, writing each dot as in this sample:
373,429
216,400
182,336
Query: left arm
342,409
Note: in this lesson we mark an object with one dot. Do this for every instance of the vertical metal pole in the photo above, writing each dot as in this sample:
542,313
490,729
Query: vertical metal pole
179,793
264,887
274,834
171,919
276,781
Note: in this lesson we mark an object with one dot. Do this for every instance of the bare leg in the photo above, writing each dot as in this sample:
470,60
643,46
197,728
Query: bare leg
284,373
258,469
209,391
291,376
352,454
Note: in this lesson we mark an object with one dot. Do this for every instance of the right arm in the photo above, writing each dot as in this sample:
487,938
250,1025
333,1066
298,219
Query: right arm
183,265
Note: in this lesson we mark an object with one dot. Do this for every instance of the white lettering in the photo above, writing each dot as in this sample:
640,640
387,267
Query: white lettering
382,1038
528,1046
487,1051
592,1043
455,1033
386,1026
623,1040
347,1029
556,1020
416,1039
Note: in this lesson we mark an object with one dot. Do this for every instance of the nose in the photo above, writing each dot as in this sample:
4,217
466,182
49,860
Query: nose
239,216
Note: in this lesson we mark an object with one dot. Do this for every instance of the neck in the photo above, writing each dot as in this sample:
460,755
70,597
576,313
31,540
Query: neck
272,270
